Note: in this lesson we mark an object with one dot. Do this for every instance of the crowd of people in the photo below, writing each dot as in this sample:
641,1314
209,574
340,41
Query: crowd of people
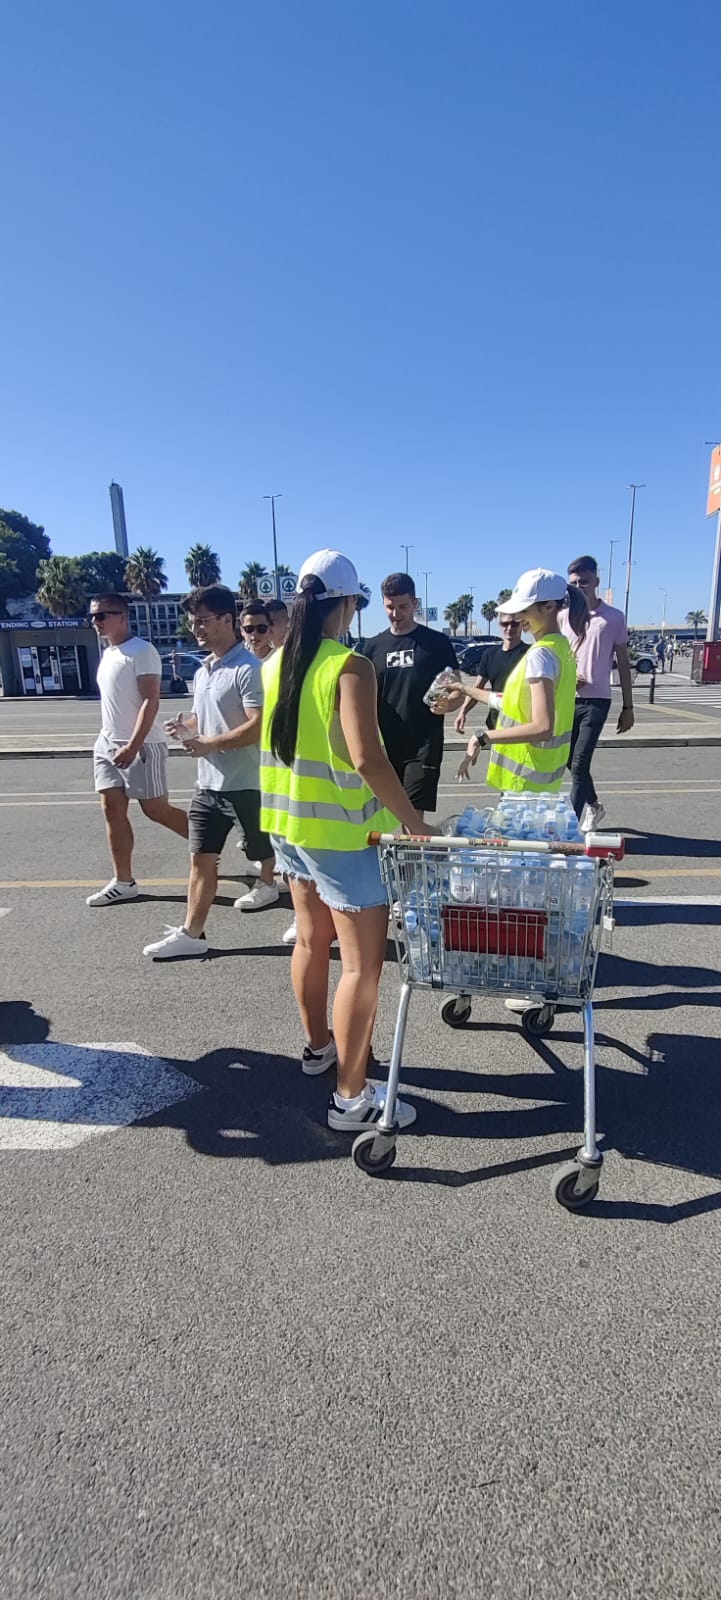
305,745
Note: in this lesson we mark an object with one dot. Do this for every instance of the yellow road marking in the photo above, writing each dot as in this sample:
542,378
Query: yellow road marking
628,870
665,710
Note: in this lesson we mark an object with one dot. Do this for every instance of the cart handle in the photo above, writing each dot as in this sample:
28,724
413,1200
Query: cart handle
600,846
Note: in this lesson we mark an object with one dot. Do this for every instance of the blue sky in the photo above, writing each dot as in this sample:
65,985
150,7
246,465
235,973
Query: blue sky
440,274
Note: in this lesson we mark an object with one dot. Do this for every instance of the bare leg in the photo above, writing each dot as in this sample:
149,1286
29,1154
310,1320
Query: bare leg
169,816
309,967
362,937
120,834
201,892
267,869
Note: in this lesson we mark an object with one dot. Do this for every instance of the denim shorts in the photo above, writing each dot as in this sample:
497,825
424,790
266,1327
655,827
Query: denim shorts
345,880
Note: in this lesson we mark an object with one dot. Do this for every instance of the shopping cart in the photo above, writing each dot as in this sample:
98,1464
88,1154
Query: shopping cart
502,917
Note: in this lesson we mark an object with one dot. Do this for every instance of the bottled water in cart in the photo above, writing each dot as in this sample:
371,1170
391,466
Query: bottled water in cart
508,901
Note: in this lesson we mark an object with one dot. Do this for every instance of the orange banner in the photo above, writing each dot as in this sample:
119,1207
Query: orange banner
714,483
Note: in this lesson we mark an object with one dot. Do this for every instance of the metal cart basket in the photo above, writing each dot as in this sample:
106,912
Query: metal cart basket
507,918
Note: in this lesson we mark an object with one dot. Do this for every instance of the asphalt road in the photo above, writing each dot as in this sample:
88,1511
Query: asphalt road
680,707
234,1366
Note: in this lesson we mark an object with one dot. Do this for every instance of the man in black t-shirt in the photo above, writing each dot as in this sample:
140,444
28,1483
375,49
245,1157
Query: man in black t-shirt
494,664
406,659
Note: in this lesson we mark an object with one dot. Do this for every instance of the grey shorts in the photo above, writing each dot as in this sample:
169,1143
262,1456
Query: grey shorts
145,779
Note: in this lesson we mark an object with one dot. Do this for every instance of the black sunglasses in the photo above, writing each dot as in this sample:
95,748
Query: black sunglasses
99,616
255,627
513,622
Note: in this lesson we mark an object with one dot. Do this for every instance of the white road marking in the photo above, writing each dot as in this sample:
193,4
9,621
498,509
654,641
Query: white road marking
670,900
54,1096
5,911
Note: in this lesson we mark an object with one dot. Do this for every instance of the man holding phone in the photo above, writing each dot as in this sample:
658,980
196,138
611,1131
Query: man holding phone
130,758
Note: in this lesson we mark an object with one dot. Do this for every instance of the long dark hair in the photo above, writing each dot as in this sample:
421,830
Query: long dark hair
308,617
579,615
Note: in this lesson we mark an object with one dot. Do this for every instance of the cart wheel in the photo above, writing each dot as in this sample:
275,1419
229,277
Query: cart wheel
364,1158
456,1012
564,1186
537,1021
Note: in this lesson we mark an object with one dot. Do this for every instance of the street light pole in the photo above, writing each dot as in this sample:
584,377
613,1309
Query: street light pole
426,576
407,547
273,498
633,487
612,542
664,592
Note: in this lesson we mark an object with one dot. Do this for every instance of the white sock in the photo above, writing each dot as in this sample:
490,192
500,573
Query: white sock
353,1104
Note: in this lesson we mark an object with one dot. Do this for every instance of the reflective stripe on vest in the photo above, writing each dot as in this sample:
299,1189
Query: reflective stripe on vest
318,802
538,766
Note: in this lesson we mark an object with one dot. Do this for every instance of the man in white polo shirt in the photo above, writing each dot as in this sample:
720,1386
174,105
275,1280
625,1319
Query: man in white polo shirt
130,757
223,732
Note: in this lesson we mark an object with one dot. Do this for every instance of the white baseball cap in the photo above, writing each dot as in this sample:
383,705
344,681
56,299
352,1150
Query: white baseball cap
336,573
538,584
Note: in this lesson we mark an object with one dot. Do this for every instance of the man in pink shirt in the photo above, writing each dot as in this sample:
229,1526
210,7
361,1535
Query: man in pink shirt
606,640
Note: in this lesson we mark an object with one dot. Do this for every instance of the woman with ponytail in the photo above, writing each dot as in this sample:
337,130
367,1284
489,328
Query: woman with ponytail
530,746
325,783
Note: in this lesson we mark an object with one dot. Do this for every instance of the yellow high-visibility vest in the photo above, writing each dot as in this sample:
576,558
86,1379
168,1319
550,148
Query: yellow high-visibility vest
320,802
536,766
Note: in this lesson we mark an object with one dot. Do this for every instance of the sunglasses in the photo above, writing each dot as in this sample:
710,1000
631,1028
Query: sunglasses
255,627
99,616
514,622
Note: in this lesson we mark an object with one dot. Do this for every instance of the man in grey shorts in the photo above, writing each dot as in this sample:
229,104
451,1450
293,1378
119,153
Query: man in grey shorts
223,732
131,755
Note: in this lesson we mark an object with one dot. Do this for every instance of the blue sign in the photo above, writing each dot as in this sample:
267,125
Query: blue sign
432,614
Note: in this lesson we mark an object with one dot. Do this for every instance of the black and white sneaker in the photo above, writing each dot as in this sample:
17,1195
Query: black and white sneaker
314,1062
370,1111
113,893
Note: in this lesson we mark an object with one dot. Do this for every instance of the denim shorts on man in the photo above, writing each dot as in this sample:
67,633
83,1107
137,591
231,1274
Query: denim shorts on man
145,779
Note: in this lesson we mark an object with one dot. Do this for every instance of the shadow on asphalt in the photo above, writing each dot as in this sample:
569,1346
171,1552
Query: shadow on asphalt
640,915
669,844
664,1110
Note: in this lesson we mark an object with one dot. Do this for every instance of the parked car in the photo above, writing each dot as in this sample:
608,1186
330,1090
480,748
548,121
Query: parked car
178,670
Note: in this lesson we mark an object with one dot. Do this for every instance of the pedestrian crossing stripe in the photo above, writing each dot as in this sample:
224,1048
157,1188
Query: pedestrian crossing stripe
55,1096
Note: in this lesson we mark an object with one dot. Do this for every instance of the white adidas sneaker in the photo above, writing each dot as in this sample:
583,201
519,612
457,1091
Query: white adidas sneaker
113,893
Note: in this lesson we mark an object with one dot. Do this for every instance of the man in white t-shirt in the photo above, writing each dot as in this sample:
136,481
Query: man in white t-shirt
130,757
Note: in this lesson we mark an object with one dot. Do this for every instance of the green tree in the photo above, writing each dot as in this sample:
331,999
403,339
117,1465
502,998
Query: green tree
23,545
696,620
248,581
202,566
451,616
102,570
504,595
284,571
145,573
488,610
465,610
185,632
60,586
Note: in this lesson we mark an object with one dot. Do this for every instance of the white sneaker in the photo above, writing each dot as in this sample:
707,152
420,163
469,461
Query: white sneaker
247,869
291,933
177,946
590,818
257,898
316,1061
113,893
370,1111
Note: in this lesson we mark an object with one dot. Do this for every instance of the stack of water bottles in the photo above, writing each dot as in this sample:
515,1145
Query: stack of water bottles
546,952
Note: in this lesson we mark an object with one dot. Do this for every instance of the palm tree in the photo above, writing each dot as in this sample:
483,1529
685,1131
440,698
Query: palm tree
488,610
362,600
61,587
696,620
145,572
248,579
202,566
451,616
465,610
284,571
504,595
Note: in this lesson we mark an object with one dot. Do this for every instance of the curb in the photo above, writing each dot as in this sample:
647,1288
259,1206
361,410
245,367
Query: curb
671,741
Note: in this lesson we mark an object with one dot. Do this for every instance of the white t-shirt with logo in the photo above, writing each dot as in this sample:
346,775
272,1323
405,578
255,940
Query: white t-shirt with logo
120,698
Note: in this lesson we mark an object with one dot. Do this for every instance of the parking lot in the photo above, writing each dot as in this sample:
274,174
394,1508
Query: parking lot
233,1365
